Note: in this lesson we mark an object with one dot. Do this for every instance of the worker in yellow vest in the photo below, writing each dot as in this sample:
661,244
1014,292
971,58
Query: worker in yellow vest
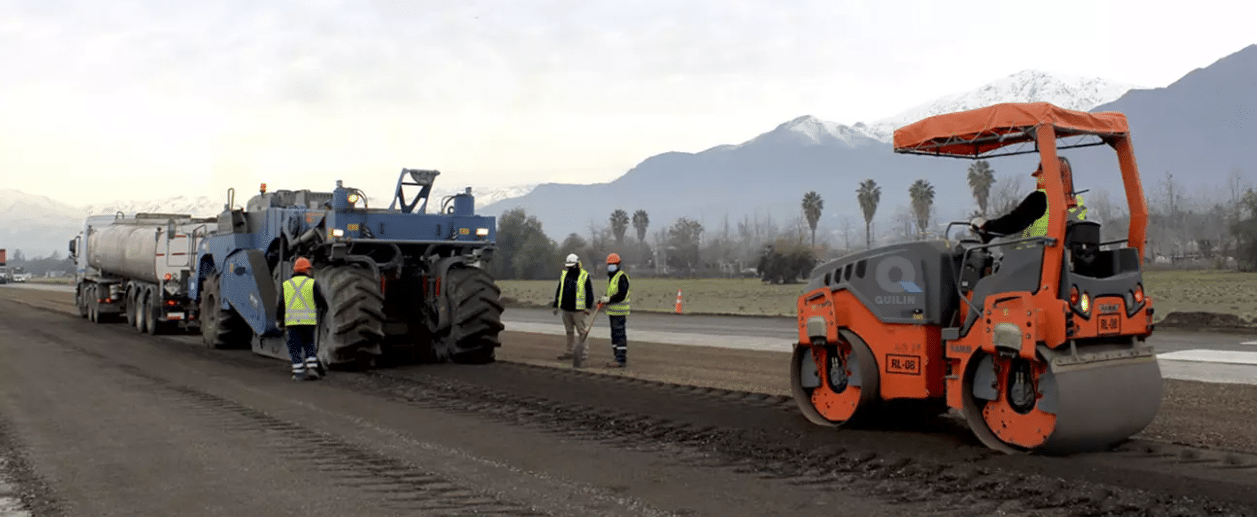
299,316
617,303
575,297
1031,216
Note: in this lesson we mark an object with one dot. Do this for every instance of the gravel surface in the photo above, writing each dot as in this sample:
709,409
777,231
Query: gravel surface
1201,414
755,453
122,424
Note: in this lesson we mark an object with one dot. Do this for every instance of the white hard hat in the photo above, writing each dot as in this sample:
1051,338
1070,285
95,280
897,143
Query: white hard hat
572,259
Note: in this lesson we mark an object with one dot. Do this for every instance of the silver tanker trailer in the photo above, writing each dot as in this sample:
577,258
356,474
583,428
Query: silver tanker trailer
138,268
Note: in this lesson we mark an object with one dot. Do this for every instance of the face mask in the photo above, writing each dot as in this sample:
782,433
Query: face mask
611,268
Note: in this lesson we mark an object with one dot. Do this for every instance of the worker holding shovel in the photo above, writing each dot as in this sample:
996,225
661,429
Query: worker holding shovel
582,350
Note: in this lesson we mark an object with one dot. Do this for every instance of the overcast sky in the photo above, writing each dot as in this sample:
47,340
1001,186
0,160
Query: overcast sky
141,99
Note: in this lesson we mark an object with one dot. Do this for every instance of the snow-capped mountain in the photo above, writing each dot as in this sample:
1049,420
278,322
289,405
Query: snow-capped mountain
205,207
1067,91
19,209
809,130
484,197
196,206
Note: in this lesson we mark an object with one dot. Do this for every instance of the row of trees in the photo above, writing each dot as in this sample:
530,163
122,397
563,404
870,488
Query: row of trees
1210,227
1215,228
684,248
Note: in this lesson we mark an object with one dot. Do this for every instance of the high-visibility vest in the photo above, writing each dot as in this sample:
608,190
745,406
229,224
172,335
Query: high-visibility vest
1040,226
620,308
580,288
299,301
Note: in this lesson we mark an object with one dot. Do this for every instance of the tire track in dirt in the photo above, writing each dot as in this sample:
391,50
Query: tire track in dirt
967,481
405,488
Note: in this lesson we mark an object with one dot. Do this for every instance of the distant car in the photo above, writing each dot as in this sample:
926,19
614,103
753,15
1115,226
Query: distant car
21,277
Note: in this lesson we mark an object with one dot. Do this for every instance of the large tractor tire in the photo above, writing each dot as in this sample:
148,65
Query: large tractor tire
474,306
351,329
220,328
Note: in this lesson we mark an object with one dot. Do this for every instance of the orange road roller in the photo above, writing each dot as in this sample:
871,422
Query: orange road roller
1037,339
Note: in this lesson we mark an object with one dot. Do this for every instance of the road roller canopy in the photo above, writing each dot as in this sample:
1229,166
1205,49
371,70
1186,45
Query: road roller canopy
998,130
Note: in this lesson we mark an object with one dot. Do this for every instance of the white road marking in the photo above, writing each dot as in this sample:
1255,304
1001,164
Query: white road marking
1211,356
1249,343
673,338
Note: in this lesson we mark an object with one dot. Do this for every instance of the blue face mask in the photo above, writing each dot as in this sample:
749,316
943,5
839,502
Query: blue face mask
612,268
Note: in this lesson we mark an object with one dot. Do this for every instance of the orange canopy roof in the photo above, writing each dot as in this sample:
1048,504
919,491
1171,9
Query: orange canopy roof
975,132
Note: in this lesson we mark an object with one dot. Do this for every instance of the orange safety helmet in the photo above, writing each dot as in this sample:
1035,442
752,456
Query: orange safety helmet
302,265
613,258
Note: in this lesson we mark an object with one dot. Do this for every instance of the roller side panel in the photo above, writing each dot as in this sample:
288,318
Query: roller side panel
912,283
908,357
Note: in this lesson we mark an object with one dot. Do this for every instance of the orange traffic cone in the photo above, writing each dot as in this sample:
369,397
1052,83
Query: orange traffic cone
678,301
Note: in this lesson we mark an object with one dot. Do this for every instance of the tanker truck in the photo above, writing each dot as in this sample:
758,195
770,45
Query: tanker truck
138,269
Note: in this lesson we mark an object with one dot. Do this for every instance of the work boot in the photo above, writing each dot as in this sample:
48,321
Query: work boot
312,368
616,364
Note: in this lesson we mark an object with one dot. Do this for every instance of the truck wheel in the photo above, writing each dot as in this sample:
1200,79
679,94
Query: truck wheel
475,317
221,328
93,305
351,331
153,310
130,312
141,310
81,301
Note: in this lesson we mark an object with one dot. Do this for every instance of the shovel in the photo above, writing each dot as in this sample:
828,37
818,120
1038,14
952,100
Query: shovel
578,355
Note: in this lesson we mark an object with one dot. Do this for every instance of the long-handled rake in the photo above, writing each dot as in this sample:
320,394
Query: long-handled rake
578,355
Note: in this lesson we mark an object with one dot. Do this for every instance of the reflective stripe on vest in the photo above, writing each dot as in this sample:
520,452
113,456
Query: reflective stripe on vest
580,288
299,301
620,308
1040,226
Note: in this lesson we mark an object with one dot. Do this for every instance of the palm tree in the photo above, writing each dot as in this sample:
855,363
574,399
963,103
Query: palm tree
812,206
981,177
869,195
922,199
619,224
641,221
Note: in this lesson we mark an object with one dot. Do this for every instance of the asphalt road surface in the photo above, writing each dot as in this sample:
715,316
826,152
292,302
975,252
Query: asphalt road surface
114,423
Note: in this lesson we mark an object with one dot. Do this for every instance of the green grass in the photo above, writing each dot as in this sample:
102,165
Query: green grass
1226,292
1207,291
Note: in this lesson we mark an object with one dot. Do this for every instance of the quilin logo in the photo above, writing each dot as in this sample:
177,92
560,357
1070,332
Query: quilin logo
902,291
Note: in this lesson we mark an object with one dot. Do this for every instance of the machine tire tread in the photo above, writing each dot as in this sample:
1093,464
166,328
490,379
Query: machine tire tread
476,316
228,329
354,319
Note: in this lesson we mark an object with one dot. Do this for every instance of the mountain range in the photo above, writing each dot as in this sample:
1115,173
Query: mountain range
1200,127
